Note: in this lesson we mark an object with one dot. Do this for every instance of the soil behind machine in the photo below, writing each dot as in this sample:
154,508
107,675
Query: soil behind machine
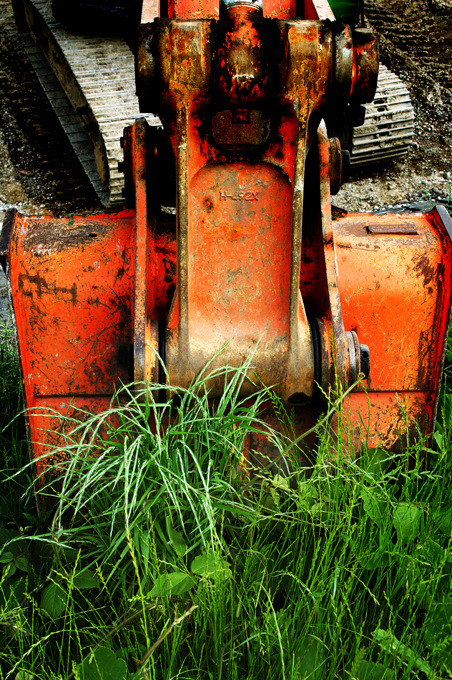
228,249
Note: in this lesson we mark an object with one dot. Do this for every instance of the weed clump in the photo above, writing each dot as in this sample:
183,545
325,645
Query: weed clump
167,555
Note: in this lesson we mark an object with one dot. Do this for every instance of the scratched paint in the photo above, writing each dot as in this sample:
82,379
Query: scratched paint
252,257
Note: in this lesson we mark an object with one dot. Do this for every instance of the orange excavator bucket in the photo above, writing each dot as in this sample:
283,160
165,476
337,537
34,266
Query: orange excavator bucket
230,243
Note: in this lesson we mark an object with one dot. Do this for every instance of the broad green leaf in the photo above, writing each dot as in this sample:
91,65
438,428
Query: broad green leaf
432,553
407,522
14,587
374,507
210,565
308,494
373,552
103,664
177,540
376,461
31,518
174,583
6,557
310,667
443,519
391,644
281,482
53,600
439,439
70,555
368,670
10,570
23,675
268,502
373,558
85,579
7,535
320,512
22,563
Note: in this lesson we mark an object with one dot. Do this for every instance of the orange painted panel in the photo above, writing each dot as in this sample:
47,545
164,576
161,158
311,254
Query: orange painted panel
395,292
71,283
209,9
241,229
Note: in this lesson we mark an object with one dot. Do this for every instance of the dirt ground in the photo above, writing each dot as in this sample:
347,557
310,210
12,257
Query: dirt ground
415,43
40,174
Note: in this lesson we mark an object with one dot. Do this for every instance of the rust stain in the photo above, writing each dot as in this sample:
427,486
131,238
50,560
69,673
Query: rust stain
29,285
252,257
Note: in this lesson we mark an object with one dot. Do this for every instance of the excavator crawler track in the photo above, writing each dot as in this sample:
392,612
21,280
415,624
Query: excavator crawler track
90,83
388,129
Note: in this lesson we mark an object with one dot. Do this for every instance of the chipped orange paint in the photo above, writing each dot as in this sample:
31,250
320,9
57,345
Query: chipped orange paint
395,291
73,299
253,258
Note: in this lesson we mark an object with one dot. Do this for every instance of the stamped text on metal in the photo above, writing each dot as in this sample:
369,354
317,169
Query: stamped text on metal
239,196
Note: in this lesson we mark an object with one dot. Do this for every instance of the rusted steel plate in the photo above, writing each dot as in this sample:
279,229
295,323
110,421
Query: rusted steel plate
74,310
273,9
390,420
72,284
385,228
395,290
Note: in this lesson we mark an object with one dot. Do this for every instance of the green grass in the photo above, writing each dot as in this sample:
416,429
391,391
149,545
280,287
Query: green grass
166,557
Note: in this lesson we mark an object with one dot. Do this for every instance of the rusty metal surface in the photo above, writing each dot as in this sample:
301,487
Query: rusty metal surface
73,288
395,290
252,267
229,201
210,9
366,55
145,326
341,368
73,313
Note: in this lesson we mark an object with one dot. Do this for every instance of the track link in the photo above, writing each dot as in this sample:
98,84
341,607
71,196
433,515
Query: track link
388,128
90,82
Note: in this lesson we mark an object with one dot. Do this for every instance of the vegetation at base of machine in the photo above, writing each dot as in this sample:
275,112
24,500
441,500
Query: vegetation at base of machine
167,557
